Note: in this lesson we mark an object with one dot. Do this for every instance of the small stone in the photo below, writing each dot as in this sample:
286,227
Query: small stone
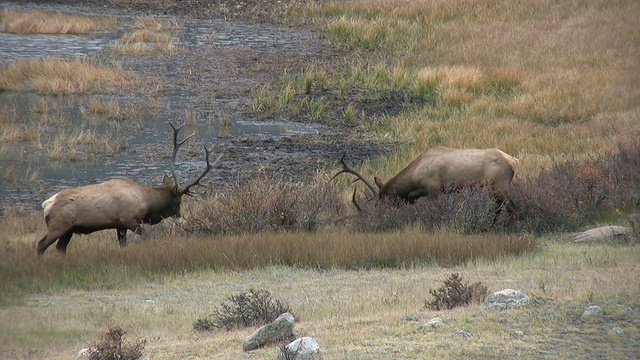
462,333
591,312
617,331
432,325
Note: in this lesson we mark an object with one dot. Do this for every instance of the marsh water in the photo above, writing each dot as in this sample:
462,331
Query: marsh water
207,82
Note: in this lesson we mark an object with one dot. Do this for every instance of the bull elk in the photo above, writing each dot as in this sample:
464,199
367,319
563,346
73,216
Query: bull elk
120,204
440,168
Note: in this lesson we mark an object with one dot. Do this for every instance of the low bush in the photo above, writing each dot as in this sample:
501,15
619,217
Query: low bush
255,307
266,204
470,210
113,346
454,293
573,193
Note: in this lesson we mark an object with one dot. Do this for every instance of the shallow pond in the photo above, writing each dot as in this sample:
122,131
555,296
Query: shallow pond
211,75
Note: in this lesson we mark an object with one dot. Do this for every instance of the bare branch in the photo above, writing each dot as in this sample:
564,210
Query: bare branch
349,170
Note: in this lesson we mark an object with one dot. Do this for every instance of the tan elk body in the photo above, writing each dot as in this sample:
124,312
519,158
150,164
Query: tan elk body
120,204
439,168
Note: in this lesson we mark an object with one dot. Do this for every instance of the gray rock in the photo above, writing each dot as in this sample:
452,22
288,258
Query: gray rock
304,348
600,234
629,312
280,329
504,300
617,331
591,313
432,325
462,333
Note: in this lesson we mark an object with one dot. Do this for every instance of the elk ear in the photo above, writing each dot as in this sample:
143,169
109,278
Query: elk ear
175,191
167,180
378,182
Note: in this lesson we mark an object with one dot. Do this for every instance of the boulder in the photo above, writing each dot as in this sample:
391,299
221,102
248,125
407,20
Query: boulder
592,312
304,348
602,233
504,300
431,325
280,329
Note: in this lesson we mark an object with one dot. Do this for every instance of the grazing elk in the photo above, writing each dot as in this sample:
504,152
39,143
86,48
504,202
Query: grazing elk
119,204
440,168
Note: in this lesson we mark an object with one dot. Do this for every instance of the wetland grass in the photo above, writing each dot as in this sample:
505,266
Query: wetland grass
63,76
44,22
84,142
143,42
158,25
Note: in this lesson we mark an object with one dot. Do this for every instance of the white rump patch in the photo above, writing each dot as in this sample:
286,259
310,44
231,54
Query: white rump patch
46,205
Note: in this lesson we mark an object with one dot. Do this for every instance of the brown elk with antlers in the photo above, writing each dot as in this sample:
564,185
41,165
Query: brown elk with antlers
440,168
120,204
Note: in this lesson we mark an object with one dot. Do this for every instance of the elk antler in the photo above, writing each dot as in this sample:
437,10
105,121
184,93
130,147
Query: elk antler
348,169
209,167
353,199
176,146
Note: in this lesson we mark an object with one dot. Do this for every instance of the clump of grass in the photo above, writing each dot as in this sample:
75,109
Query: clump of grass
455,293
158,25
252,308
266,204
43,22
111,109
60,76
114,346
144,42
84,141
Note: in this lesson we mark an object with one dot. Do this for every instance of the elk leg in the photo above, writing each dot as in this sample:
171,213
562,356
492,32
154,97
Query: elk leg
49,239
62,243
122,236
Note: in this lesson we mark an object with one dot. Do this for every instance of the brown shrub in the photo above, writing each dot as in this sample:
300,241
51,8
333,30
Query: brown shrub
255,307
454,293
470,210
113,346
266,204
574,193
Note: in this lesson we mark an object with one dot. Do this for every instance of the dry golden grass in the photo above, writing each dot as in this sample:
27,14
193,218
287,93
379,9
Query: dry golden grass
158,25
43,22
60,76
109,108
366,314
574,67
144,42
85,142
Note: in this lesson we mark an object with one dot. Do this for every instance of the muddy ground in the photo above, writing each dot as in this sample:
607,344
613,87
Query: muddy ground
236,75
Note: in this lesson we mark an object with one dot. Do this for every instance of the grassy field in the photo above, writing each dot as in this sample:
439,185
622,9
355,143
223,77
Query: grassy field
544,81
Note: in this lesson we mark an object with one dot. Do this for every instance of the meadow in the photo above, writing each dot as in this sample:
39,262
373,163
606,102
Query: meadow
554,84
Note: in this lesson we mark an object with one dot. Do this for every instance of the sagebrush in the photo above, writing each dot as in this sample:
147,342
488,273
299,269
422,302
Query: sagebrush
455,293
113,346
255,307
